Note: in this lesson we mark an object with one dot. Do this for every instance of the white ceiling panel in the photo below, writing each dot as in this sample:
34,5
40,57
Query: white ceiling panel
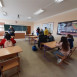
26,8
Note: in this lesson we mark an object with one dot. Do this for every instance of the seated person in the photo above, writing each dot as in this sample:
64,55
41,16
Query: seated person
64,48
50,37
7,41
42,38
70,40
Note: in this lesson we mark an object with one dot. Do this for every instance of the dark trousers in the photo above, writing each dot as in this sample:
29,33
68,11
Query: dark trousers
0,73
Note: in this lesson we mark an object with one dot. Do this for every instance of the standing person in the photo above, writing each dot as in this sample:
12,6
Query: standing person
70,40
46,31
38,31
42,39
64,48
41,31
11,31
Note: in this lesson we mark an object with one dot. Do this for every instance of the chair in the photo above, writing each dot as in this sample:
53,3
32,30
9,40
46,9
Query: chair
63,58
71,51
9,64
66,57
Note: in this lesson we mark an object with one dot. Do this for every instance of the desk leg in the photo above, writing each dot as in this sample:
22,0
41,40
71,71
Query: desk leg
34,42
25,37
44,51
29,39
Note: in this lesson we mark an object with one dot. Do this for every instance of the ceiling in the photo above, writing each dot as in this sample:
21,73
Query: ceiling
26,8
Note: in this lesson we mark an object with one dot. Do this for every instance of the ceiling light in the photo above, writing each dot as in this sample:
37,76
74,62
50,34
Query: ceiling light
4,13
39,12
58,1
0,4
29,17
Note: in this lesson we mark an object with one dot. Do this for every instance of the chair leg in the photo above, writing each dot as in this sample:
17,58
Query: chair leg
18,70
2,74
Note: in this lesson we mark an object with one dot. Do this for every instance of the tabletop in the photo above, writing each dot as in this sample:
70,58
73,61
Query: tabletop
33,36
36,39
50,44
10,50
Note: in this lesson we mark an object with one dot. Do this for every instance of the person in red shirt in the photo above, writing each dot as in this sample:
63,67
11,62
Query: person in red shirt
9,39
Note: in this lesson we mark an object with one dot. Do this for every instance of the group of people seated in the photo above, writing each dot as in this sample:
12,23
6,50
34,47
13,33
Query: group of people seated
7,41
64,45
45,36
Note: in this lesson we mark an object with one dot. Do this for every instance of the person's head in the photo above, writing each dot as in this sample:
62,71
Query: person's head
11,27
68,36
45,27
7,36
49,33
41,29
41,33
65,44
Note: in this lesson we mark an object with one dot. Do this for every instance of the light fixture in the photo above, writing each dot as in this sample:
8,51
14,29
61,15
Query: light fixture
4,13
39,12
18,16
58,1
1,4
29,18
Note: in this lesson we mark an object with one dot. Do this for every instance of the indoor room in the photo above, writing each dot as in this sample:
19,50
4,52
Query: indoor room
38,38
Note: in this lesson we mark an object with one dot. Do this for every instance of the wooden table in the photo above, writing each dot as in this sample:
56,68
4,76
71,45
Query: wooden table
9,51
35,40
31,38
50,45
27,35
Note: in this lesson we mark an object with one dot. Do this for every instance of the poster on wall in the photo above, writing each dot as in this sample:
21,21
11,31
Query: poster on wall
49,27
69,27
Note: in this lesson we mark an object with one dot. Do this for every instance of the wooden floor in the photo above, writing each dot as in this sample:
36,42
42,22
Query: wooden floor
34,64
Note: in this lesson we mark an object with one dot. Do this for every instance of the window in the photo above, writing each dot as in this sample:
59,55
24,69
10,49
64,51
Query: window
1,27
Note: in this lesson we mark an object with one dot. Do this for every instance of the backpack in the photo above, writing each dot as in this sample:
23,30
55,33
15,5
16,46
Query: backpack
8,43
34,48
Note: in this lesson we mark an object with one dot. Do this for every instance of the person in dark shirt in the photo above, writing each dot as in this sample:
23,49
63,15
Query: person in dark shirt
11,31
42,32
38,31
70,40
50,37
42,38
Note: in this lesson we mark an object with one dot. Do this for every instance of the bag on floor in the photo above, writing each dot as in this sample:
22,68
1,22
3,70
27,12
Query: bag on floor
34,48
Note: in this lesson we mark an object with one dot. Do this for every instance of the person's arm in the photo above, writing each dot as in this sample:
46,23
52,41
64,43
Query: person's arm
13,41
53,38
13,30
2,42
59,44
9,31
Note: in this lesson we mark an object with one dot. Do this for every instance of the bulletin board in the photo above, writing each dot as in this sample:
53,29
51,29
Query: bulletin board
68,27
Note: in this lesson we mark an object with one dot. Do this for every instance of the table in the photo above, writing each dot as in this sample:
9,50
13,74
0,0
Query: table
50,45
31,38
35,40
9,51
27,35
